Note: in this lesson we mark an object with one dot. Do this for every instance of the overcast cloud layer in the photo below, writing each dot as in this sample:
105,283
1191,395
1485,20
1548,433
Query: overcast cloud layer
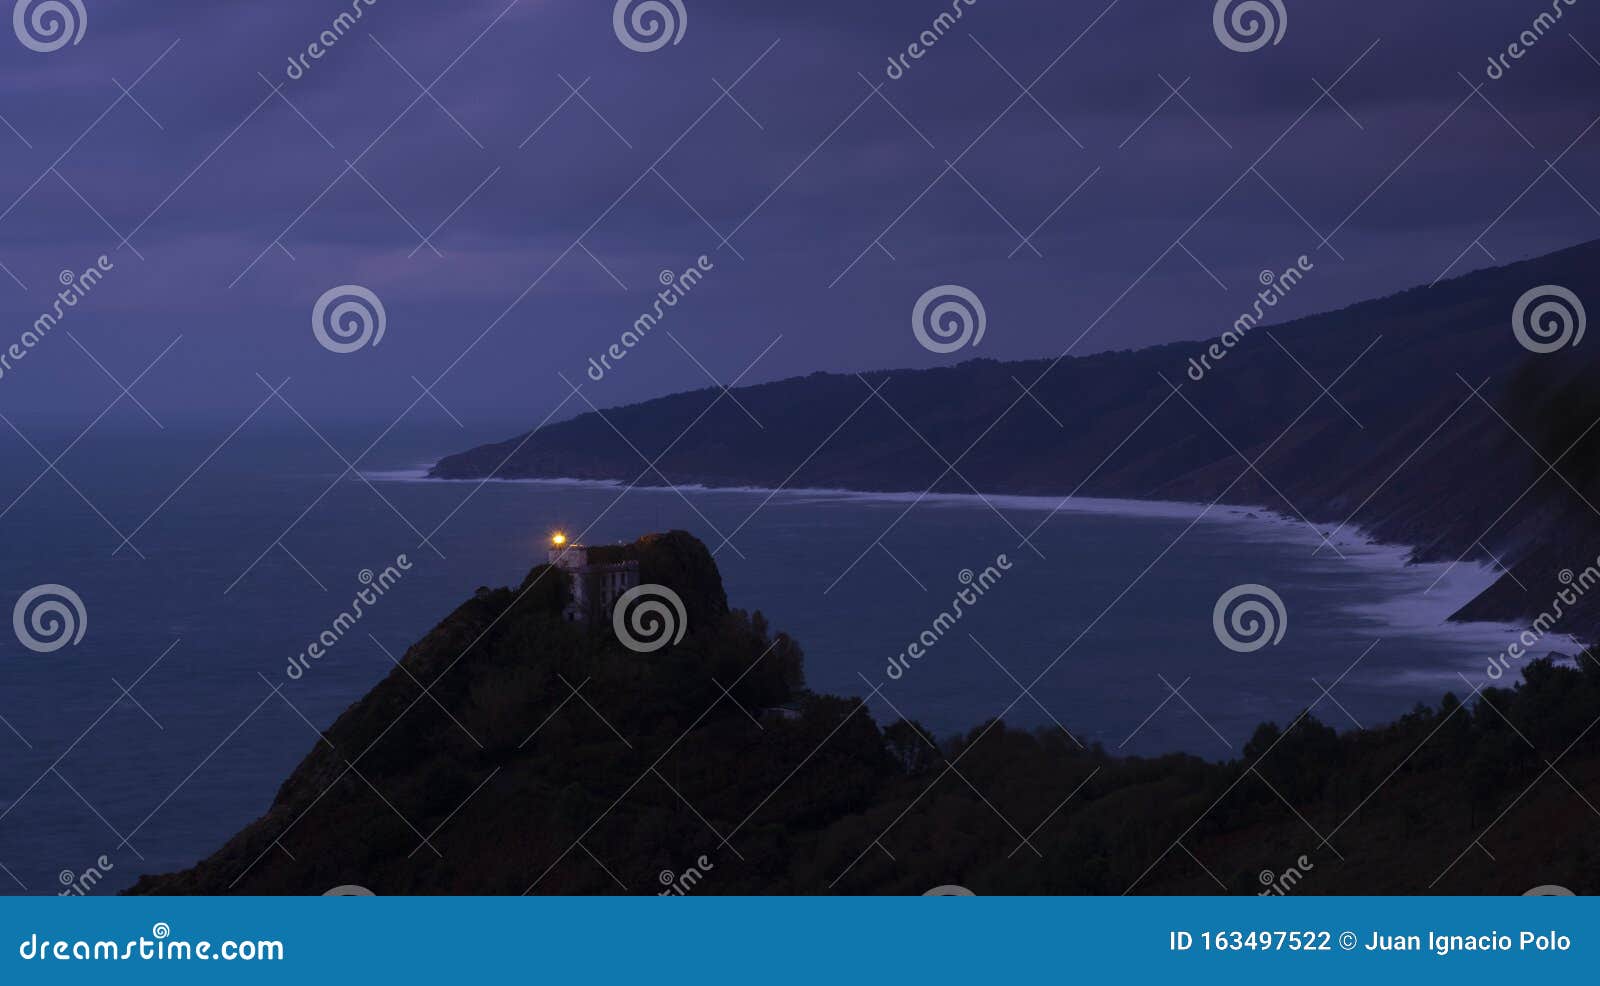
826,207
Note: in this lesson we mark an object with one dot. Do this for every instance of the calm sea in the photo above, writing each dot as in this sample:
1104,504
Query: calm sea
159,734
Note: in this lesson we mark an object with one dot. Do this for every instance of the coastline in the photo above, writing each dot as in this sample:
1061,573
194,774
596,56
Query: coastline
1423,598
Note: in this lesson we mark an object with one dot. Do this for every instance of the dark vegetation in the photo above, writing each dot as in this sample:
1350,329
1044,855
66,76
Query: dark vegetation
599,769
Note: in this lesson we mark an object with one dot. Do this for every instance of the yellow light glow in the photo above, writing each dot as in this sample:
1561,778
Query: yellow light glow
558,539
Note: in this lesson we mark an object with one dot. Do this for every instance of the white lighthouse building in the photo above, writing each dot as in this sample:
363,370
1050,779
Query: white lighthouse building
595,584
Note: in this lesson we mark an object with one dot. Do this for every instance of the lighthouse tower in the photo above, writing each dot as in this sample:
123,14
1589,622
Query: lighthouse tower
596,576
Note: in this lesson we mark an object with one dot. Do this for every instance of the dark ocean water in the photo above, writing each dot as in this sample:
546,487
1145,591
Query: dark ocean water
252,556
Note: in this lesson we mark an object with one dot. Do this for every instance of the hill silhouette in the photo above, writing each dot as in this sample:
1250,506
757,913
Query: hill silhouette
1436,431
546,757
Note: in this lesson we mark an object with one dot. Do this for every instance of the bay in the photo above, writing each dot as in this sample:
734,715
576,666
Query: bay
170,725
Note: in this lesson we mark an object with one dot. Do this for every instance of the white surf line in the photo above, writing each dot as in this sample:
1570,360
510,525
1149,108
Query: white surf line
1419,604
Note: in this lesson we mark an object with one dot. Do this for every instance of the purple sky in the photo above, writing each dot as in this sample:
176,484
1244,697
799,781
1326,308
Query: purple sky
241,206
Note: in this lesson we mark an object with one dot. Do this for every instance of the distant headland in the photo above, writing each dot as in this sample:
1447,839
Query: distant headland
1421,418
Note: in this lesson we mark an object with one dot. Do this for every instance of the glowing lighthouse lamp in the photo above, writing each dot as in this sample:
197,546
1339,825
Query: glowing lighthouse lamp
564,554
596,586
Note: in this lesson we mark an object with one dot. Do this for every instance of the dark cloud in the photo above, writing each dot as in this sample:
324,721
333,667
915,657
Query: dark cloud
651,165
